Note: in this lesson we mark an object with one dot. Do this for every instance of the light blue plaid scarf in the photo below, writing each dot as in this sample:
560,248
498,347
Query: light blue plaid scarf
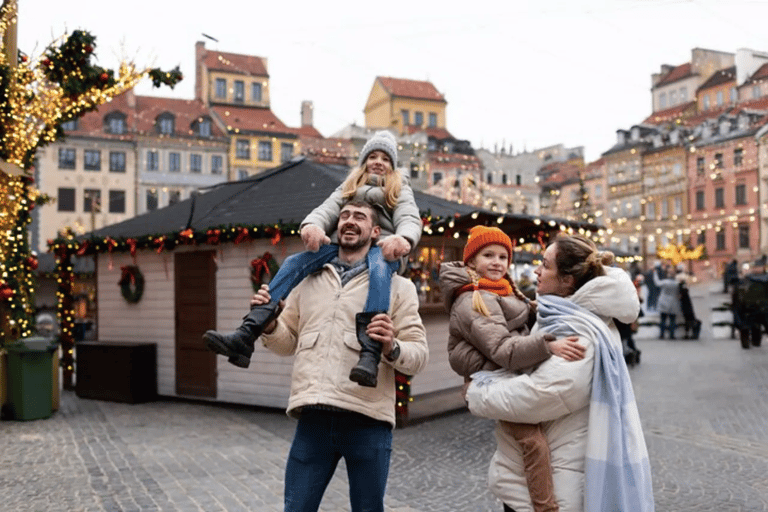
617,472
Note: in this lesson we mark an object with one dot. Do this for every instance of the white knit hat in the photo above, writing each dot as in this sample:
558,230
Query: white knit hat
382,140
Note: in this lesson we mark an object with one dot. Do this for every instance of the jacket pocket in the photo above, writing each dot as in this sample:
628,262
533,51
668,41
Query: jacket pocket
305,368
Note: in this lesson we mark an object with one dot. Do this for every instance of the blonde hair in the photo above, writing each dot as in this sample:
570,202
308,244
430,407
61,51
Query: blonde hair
392,184
478,304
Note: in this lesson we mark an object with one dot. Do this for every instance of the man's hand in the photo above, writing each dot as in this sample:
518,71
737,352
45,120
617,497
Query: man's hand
313,237
262,297
382,329
394,247
568,348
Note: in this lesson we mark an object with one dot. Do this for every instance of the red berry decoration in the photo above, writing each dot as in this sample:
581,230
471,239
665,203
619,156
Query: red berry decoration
104,77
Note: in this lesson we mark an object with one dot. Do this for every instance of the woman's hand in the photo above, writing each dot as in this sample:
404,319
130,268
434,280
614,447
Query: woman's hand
465,387
313,237
568,348
393,247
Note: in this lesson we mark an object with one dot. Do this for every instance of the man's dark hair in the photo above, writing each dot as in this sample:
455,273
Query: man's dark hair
365,204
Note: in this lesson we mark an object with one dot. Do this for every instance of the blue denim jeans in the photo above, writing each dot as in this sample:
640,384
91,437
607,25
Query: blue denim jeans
664,327
322,438
298,266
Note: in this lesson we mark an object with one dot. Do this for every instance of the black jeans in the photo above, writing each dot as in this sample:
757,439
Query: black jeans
508,509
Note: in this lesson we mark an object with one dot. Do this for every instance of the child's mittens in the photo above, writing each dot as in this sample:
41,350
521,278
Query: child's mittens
313,237
394,247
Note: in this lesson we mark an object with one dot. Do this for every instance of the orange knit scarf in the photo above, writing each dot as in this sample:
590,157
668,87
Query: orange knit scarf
500,287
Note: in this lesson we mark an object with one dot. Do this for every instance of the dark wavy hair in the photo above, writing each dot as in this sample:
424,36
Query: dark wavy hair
577,256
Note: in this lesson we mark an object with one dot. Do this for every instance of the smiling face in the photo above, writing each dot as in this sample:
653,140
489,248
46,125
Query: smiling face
355,227
378,162
490,262
550,282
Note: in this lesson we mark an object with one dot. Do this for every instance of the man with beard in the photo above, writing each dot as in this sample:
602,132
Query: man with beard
337,417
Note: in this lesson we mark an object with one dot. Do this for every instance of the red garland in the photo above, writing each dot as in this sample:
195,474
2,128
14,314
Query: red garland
83,248
242,235
214,236
187,236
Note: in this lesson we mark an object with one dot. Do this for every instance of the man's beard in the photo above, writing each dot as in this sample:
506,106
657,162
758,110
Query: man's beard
354,246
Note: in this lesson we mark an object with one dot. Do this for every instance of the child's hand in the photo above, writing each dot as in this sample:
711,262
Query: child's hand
568,348
393,247
313,237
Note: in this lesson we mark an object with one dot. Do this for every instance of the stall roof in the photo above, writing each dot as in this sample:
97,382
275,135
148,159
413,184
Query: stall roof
288,193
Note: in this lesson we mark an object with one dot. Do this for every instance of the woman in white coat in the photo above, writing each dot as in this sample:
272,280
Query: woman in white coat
587,408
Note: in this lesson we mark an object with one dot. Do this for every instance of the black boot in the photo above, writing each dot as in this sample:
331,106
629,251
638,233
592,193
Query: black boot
238,346
367,368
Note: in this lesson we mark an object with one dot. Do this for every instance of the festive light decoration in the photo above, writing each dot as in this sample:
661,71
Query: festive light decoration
677,253
36,97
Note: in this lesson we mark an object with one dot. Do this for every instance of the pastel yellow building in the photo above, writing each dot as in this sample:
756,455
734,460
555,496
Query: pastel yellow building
236,88
405,106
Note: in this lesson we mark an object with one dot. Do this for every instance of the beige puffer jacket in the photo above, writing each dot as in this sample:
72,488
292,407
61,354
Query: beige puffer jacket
317,325
501,340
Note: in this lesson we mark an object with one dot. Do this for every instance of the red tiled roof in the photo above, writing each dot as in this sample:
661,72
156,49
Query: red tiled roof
437,133
235,63
756,104
92,123
761,73
678,73
703,116
410,88
251,119
186,112
670,114
308,131
720,77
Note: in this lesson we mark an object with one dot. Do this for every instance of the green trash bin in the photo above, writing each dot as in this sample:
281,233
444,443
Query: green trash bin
30,380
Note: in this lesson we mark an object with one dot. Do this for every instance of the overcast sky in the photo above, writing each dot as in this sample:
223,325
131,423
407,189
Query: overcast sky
529,73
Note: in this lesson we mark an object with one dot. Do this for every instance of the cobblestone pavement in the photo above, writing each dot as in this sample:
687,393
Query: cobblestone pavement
703,405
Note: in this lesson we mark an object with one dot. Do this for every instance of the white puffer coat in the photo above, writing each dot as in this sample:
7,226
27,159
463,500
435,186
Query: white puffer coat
557,395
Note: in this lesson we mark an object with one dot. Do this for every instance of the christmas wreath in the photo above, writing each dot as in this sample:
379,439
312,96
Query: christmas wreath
261,268
131,283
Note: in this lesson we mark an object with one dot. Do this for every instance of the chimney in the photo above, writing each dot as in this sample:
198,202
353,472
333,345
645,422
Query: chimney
199,72
306,113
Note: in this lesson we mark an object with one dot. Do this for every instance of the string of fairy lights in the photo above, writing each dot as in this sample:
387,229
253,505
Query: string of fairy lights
36,97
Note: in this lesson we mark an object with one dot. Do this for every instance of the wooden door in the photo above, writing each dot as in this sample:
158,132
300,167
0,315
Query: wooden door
195,313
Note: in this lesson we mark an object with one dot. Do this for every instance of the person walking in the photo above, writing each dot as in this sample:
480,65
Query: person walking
669,306
336,417
691,325
650,283
599,457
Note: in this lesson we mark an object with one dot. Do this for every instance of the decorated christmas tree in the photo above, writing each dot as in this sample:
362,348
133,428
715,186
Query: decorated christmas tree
36,97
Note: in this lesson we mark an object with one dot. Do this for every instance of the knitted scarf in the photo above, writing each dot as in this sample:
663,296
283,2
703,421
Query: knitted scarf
500,287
